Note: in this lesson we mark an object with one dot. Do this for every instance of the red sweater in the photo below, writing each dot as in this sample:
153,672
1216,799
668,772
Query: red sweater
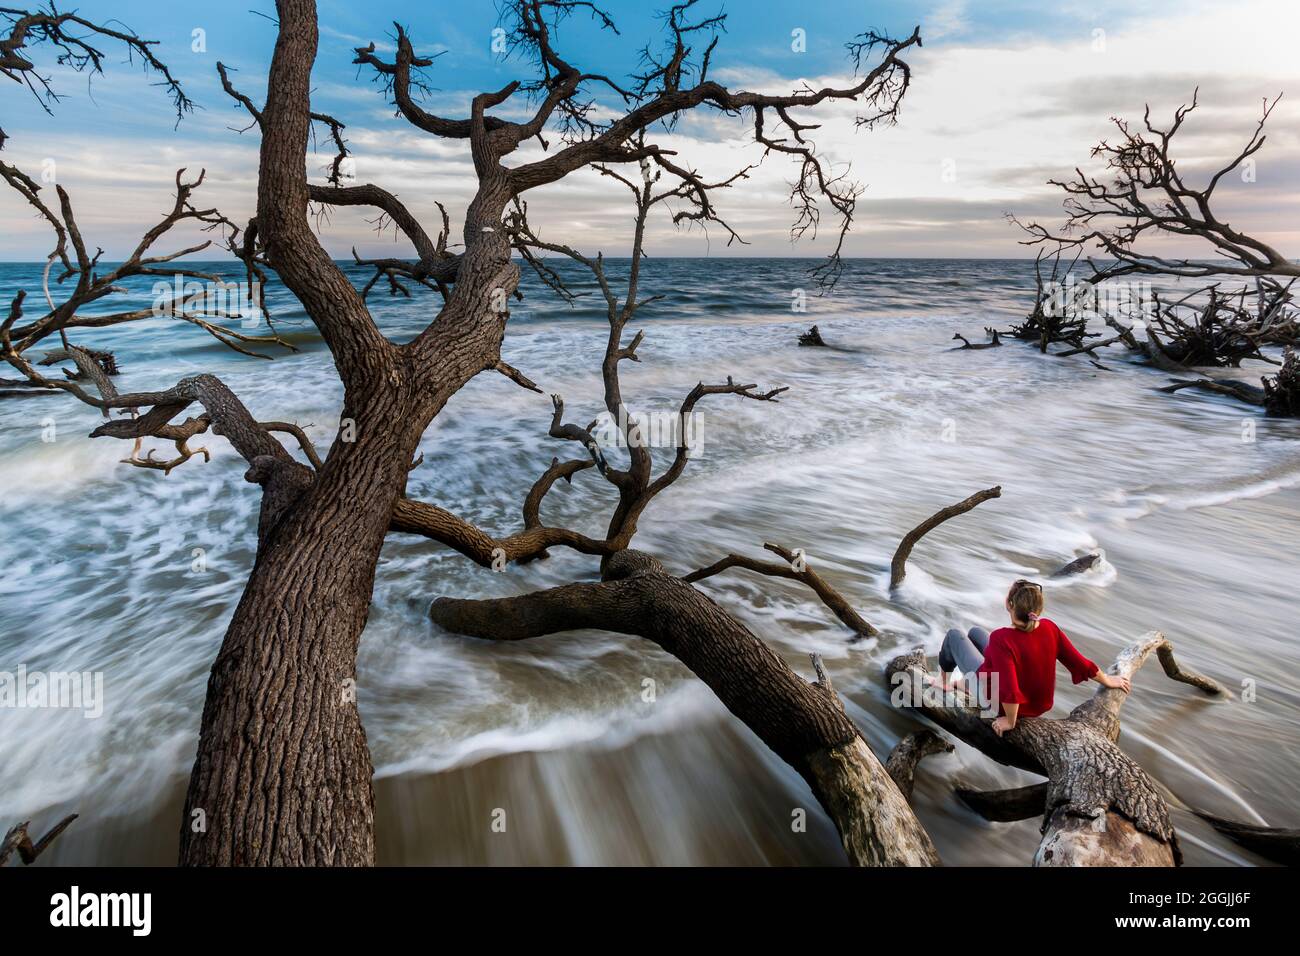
1025,665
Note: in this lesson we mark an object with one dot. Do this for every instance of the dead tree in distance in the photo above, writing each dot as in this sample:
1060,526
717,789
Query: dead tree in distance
74,37
1147,197
1141,196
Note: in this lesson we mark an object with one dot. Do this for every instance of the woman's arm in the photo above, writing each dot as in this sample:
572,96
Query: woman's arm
1111,680
1002,667
1080,668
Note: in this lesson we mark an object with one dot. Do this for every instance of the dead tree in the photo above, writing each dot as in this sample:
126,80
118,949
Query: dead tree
74,38
1054,318
283,772
803,723
1098,806
1143,196
1207,327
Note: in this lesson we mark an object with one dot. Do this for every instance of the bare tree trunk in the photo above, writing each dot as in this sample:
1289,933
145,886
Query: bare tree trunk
803,723
283,773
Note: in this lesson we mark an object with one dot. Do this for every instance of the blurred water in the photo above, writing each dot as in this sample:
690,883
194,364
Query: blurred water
875,433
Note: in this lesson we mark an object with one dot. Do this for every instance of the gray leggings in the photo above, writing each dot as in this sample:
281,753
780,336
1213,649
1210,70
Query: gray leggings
963,652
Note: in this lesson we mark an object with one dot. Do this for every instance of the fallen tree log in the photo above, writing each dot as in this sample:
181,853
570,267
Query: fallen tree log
19,839
1277,394
1245,391
803,723
1278,844
1100,807
994,340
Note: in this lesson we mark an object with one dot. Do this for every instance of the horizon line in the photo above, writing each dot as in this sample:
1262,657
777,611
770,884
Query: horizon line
349,262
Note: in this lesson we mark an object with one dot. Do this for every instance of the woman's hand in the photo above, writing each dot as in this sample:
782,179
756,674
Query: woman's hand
1113,681
1002,725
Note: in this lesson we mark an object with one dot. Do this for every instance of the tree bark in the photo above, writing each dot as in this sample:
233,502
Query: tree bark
803,723
283,772
1100,808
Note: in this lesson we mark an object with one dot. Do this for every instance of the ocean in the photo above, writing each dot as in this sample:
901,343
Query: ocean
1192,498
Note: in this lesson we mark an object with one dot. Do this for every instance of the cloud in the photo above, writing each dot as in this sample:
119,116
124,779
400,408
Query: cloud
987,121
948,18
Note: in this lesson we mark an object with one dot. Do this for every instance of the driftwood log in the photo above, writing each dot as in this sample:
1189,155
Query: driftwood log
18,839
803,723
1279,844
994,340
1099,807
812,337
898,566
1277,394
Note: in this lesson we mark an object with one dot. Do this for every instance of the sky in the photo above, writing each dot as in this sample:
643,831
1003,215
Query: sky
1005,95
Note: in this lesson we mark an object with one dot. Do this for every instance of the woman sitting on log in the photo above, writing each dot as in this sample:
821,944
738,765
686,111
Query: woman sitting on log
1018,664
